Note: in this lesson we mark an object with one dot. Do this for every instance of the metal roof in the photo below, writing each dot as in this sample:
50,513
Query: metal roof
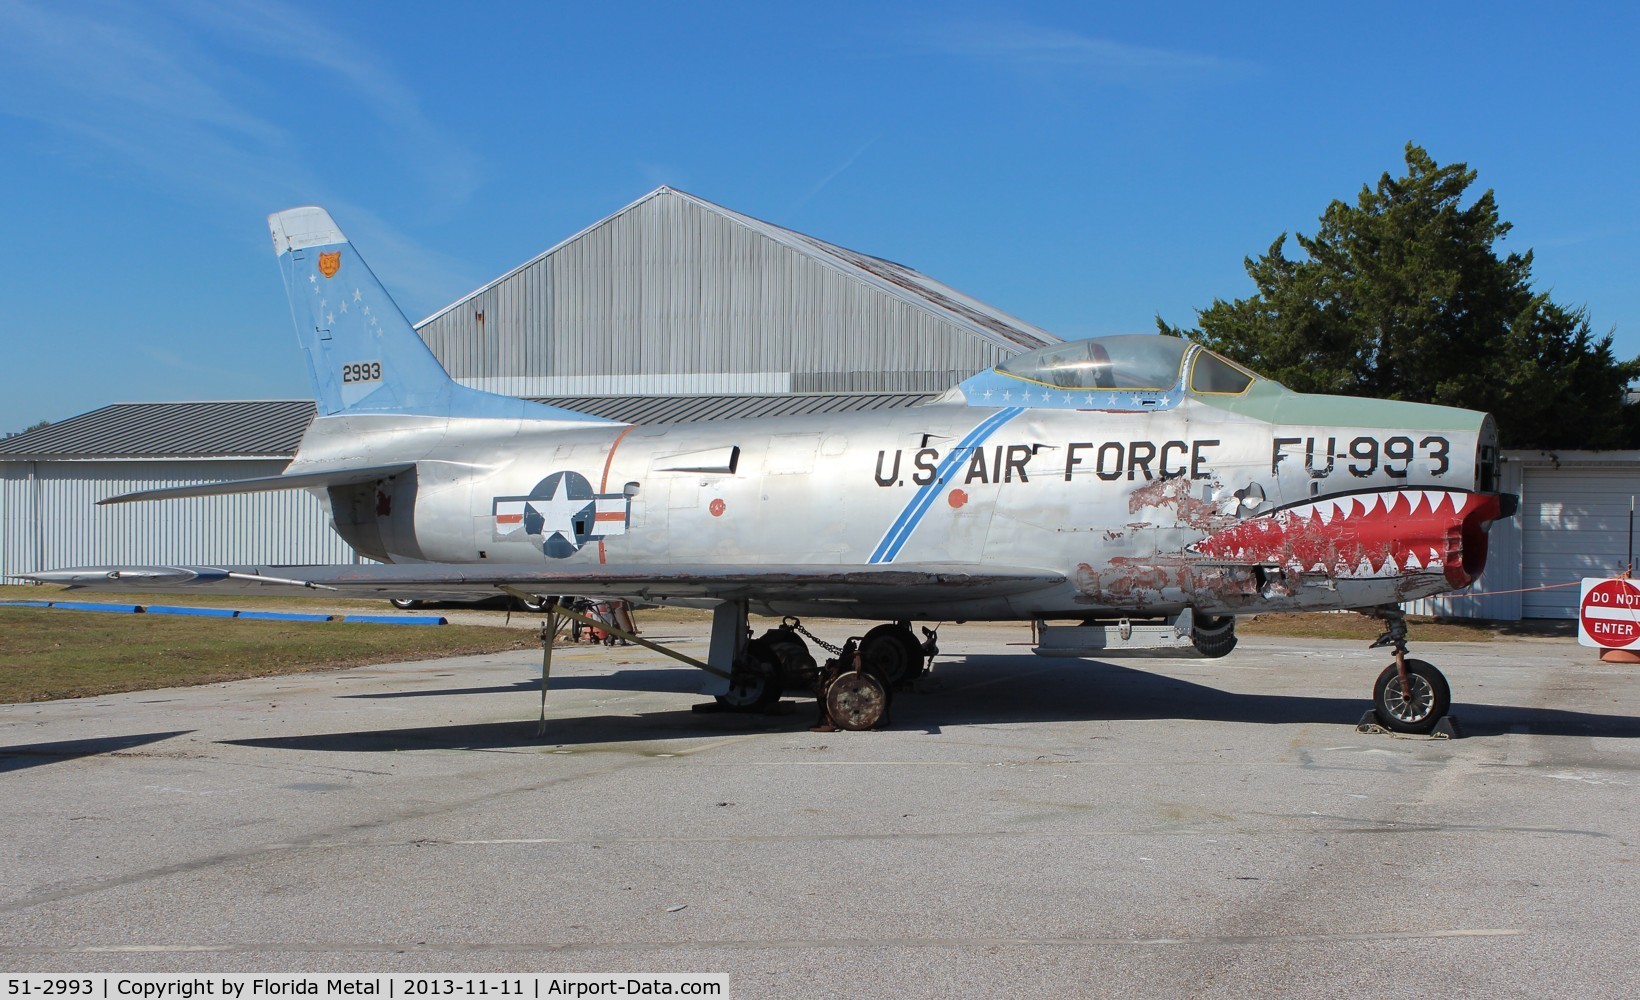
690,409
984,321
243,429
253,428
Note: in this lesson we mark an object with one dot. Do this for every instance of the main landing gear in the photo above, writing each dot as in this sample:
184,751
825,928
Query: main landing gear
854,688
1410,696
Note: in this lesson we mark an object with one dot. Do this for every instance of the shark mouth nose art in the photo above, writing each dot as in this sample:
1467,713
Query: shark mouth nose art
1376,534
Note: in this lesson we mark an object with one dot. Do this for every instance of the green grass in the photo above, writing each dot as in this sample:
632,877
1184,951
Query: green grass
1353,625
314,602
48,653
317,603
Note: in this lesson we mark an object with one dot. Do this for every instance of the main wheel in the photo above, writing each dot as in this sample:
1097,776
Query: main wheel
404,603
755,683
1417,708
857,700
797,666
534,603
893,652
1214,637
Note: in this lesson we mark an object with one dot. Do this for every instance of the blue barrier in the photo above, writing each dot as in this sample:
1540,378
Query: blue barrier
129,609
283,616
158,609
273,616
397,619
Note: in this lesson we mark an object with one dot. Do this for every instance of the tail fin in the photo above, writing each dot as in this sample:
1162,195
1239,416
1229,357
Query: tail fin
363,356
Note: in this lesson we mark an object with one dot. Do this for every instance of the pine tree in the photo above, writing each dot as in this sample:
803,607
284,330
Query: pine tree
1403,295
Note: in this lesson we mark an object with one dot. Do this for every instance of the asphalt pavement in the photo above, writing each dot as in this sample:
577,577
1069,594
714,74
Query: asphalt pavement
1025,827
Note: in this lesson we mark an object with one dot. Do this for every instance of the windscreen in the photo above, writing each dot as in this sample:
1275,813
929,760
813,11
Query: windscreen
1136,361
1213,374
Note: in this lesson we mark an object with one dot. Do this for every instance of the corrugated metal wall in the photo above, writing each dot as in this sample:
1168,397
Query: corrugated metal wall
50,519
1575,523
697,303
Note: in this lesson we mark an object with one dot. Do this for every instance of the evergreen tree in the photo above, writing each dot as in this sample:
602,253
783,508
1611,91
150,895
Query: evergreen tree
1404,296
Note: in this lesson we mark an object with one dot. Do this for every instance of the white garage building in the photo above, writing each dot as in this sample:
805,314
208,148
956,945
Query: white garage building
1574,521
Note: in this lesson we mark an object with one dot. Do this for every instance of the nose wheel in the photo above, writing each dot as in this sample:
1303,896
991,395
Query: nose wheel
1410,696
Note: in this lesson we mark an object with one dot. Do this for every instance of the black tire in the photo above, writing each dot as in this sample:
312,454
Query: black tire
533,604
1428,701
893,652
797,666
1214,637
404,603
755,684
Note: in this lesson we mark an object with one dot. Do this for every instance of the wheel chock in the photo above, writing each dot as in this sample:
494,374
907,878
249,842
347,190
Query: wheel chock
1446,728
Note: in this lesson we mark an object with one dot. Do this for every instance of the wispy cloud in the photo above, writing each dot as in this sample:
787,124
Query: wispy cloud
160,89
836,171
1036,49
285,33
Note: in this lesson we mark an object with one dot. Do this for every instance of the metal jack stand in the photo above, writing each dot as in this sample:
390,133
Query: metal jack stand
549,630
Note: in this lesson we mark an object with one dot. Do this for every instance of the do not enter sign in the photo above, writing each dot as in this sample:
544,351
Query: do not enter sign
1610,614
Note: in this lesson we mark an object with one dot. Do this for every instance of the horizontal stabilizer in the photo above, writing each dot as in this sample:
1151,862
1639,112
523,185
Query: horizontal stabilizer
265,484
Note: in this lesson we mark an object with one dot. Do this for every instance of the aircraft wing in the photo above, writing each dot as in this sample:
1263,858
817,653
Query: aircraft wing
658,584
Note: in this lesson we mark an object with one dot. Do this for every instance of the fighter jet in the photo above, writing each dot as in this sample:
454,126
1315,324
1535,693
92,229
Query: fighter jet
1142,492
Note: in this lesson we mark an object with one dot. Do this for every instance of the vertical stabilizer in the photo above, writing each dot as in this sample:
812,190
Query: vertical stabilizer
363,356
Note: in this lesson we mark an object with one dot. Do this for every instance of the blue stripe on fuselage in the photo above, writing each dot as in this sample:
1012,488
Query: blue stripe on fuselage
900,531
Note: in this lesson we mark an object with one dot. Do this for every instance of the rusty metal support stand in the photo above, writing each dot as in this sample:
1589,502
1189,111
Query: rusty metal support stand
549,632
559,609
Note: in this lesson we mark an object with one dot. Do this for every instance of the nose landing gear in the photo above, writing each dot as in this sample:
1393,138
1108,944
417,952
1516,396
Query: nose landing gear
1410,696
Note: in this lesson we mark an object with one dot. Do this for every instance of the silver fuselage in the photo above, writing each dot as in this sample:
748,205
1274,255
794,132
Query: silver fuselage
1111,500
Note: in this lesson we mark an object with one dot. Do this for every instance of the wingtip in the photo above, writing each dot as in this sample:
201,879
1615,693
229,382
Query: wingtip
298,228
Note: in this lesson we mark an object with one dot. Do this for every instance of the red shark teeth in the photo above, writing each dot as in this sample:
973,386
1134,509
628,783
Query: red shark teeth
1367,535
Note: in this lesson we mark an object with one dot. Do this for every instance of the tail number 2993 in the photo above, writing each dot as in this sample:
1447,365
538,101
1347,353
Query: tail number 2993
363,371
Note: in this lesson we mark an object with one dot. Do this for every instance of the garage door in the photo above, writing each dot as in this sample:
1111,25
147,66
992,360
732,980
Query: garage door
1574,523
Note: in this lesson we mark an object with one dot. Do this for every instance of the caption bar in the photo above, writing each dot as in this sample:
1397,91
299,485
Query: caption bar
533,986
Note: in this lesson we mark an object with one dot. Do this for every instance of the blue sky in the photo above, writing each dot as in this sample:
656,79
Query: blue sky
1083,166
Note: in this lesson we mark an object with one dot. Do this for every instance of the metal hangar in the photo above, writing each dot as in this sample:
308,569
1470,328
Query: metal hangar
674,295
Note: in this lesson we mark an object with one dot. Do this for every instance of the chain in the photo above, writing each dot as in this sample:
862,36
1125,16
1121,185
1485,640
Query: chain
796,625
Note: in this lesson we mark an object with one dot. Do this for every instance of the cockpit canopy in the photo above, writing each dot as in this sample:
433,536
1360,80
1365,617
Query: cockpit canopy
1130,362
